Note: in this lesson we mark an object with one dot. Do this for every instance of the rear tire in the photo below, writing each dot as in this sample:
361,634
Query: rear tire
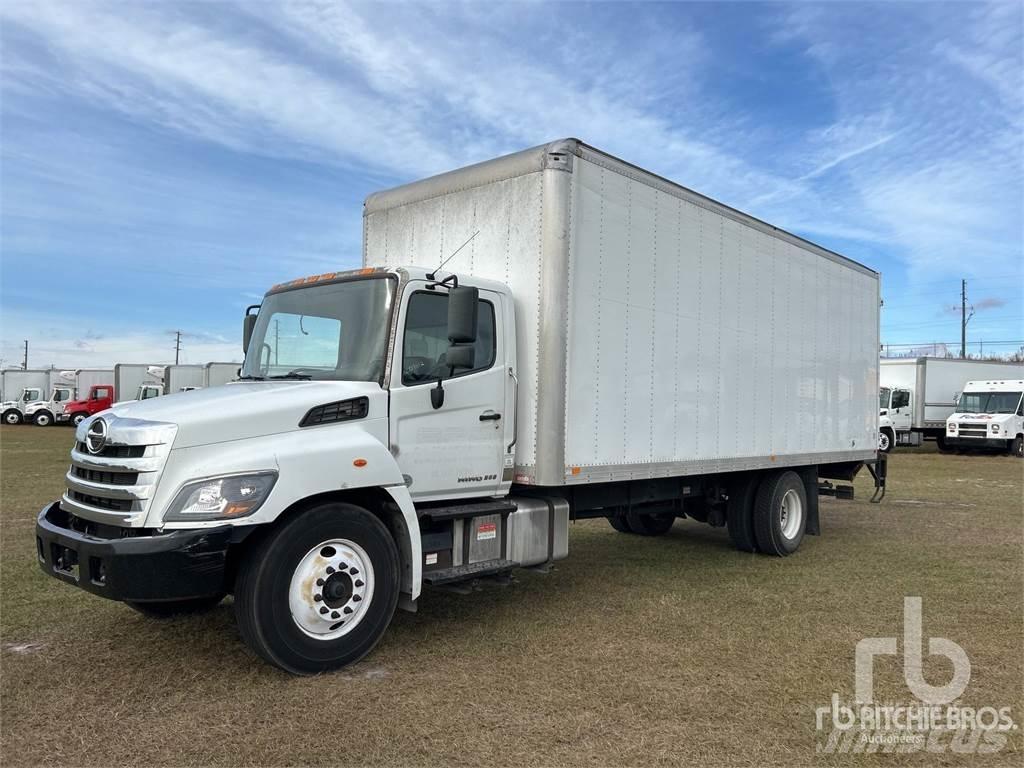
885,440
739,515
780,513
43,419
12,416
619,523
650,524
339,553
165,609
1017,447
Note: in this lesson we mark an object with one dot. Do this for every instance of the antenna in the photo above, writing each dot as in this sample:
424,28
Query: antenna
439,266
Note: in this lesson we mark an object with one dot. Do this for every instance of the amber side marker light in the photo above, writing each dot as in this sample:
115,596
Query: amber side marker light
359,463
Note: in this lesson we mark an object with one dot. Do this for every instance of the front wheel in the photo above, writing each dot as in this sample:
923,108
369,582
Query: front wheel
780,513
43,419
885,441
1017,447
944,447
319,592
11,416
78,418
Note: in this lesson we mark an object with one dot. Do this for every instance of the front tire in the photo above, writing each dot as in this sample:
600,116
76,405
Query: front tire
43,419
944,447
885,440
12,417
78,418
164,609
780,513
1017,447
319,592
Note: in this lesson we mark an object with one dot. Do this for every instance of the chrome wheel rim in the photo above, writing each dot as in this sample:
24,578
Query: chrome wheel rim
43,421
883,441
791,514
12,418
331,589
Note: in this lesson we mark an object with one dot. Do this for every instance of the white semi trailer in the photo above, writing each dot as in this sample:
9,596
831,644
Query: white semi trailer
601,343
21,387
918,394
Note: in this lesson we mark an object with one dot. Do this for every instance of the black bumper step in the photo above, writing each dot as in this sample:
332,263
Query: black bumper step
472,509
471,571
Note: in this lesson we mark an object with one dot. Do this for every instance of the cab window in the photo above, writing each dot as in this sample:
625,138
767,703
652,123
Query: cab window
900,399
101,393
426,339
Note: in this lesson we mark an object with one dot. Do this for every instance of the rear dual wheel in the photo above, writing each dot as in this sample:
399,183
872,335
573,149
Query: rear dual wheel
644,524
768,513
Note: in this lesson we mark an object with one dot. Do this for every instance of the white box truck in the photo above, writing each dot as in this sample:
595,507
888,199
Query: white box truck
21,387
220,373
918,394
60,393
138,381
183,378
601,343
989,414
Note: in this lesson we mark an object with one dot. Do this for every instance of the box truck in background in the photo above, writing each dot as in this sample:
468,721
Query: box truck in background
94,392
989,414
21,387
43,413
183,378
918,394
138,381
220,373
601,343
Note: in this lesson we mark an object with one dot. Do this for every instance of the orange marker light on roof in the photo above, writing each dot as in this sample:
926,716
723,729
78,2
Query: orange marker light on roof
359,463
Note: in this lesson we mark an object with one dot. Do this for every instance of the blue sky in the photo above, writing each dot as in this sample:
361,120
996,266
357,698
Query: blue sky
164,163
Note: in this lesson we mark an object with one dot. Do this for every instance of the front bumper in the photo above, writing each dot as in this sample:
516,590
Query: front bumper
159,566
976,442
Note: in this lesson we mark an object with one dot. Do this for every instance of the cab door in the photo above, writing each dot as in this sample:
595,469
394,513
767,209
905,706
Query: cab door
901,409
455,450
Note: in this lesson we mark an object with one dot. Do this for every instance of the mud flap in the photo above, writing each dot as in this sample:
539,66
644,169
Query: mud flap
809,475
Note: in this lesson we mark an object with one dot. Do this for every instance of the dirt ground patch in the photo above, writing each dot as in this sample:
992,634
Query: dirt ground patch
667,651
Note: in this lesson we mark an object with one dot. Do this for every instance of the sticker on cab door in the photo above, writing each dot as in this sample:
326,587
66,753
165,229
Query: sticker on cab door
487,531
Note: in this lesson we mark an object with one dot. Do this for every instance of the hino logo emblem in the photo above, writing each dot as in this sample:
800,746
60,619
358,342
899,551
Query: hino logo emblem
96,437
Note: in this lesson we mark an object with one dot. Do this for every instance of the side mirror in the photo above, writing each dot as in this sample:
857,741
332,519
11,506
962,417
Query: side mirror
248,325
460,356
462,314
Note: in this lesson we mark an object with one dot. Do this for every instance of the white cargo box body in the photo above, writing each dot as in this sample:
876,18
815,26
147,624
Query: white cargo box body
659,332
220,373
936,383
178,377
16,380
92,377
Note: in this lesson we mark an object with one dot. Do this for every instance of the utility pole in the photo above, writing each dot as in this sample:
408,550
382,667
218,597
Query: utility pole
177,346
964,318
24,362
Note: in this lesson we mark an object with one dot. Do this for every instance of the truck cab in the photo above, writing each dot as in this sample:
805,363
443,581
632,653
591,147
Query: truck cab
100,398
148,391
43,413
894,416
989,414
14,410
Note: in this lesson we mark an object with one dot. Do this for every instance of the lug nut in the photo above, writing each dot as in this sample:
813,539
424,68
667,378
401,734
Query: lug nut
319,582
359,583
330,569
346,609
356,598
335,615
318,598
354,571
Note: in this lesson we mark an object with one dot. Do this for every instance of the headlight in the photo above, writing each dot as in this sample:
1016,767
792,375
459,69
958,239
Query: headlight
221,498
952,426
995,427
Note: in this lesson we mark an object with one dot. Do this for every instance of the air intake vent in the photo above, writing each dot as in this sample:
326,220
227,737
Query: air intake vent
342,410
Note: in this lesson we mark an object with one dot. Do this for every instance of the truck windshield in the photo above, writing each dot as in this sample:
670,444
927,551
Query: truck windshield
334,331
988,402
883,397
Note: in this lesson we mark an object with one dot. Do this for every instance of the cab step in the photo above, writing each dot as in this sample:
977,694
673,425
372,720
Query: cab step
471,571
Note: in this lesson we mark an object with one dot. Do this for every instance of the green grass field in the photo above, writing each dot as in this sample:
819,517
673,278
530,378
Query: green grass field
634,651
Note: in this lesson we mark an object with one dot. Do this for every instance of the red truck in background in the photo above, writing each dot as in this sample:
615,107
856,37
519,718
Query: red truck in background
101,397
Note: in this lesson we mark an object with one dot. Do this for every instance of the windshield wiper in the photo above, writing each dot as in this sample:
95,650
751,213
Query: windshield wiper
292,375
252,378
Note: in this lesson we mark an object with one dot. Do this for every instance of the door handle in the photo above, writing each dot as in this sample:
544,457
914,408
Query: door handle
491,416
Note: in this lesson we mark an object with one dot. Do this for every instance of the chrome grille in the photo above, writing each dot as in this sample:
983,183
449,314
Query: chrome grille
115,484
